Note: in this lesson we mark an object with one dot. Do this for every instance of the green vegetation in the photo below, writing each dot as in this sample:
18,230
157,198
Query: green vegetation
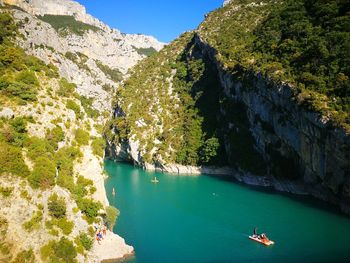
303,42
21,77
146,51
26,256
27,77
180,118
79,59
88,108
43,174
34,222
11,160
65,225
6,191
98,146
18,71
112,214
59,251
90,208
113,74
67,24
42,46
57,206
14,131
13,134
8,27
85,241
82,137
66,88
38,147
64,159
54,136
74,107
185,128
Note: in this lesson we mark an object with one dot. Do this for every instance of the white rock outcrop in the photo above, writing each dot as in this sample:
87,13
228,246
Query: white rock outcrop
226,2
104,45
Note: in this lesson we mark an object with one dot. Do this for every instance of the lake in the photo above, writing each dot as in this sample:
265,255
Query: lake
208,219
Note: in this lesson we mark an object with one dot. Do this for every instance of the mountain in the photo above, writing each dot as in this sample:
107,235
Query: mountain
260,91
86,51
59,69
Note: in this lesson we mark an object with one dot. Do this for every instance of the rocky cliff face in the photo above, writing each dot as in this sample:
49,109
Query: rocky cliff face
76,47
270,137
95,57
295,144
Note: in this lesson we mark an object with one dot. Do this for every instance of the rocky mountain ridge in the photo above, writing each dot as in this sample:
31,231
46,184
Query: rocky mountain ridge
95,57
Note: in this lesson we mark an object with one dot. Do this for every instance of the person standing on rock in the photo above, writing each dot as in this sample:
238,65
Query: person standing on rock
104,230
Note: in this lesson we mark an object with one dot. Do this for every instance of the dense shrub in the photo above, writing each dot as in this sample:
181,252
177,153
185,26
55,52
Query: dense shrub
26,256
145,51
54,136
7,26
209,149
82,137
27,77
66,88
65,225
113,74
11,160
57,206
16,89
81,187
67,24
59,251
14,132
87,105
38,147
86,241
64,159
43,174
74,107
6,191
89,207
34,222
112,214
98,146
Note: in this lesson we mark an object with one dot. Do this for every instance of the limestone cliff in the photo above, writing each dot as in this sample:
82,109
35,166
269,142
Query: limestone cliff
220,98
52,113
93,55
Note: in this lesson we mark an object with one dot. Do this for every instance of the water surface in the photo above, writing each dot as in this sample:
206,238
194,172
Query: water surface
208,219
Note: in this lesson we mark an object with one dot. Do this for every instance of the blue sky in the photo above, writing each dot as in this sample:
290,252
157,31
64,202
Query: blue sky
163,19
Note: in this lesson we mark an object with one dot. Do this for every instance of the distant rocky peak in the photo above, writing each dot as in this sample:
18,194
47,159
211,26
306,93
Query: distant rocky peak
56,7
227,2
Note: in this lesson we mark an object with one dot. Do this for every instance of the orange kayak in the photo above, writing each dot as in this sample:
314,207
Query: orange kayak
264,241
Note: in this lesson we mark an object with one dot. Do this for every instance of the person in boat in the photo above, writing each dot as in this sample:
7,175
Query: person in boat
263,236
255,233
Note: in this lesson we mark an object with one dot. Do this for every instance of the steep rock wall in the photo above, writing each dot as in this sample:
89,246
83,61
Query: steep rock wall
270,139
295,144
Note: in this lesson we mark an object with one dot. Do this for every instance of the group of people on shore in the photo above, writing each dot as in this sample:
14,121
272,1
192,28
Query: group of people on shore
101,232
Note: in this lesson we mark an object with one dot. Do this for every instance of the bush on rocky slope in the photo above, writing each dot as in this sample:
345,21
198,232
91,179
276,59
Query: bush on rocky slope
67,24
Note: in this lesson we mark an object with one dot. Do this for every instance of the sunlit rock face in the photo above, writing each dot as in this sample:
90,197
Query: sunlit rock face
97,45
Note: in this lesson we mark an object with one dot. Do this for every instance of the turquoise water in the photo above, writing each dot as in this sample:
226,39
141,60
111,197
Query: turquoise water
208,219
